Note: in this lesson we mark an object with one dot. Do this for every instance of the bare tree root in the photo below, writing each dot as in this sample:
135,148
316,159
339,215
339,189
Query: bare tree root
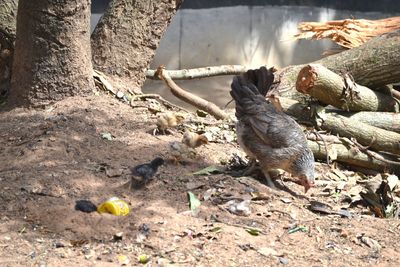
190,98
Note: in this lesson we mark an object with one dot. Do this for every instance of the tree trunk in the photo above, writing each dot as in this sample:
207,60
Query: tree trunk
8,19
125,40
52,57
373,64
8,16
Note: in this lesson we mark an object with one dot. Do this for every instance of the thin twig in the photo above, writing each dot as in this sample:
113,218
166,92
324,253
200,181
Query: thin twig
371,153
159,98
326,147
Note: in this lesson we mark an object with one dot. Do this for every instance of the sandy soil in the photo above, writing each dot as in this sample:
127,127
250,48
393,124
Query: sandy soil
51,158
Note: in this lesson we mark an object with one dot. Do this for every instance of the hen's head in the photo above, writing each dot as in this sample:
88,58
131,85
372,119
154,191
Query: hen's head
303,168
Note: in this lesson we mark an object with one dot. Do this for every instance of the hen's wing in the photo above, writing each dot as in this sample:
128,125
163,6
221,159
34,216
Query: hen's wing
275,129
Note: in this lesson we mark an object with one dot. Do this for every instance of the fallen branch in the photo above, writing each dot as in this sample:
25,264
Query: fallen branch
188,74
349,156
190,98
341,92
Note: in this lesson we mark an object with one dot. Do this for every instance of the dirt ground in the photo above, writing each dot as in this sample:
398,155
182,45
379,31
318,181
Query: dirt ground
51,158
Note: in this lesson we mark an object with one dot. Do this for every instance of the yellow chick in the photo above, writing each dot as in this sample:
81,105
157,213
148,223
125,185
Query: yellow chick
194,140
168,120
180,152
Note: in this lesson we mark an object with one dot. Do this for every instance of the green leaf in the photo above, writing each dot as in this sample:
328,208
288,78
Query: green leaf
300,228
193,201
216,229
208,170
253,231
107,136
143,259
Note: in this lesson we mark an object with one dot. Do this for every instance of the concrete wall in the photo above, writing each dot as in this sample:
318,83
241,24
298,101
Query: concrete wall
248,35
251,36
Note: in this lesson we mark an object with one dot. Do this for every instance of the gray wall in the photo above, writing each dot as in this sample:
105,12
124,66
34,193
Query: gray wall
247,35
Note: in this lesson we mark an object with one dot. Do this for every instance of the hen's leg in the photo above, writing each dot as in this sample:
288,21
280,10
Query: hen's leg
270,183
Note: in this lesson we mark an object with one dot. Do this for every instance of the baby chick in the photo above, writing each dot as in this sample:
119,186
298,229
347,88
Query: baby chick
168,120
181,152
146,171
194,140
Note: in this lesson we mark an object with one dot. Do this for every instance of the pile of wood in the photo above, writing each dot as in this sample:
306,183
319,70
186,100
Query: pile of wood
349,98
348,33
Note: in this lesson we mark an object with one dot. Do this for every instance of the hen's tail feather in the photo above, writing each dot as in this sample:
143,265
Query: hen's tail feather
262,78
245,95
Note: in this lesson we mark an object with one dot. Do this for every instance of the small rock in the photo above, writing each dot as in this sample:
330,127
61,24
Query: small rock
371,243
111,172
42,264
123,259
286,200
239,208
284,261
120,94
60,244
32,255
246,247
90,253
161,262
267,251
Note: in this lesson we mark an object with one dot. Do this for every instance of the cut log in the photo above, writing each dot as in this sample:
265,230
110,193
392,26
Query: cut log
385,120
349,156
341,92
373,64
367,135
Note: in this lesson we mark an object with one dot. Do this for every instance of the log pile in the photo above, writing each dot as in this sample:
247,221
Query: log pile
348,33
348,98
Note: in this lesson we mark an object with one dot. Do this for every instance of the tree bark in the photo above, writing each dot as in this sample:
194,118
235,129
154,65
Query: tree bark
347,155
8,17
341,92
52,57
8,21
378,139
373,64
125,40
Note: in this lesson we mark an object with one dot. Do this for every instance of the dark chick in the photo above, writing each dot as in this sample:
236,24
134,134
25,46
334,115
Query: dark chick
146,171
271,137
